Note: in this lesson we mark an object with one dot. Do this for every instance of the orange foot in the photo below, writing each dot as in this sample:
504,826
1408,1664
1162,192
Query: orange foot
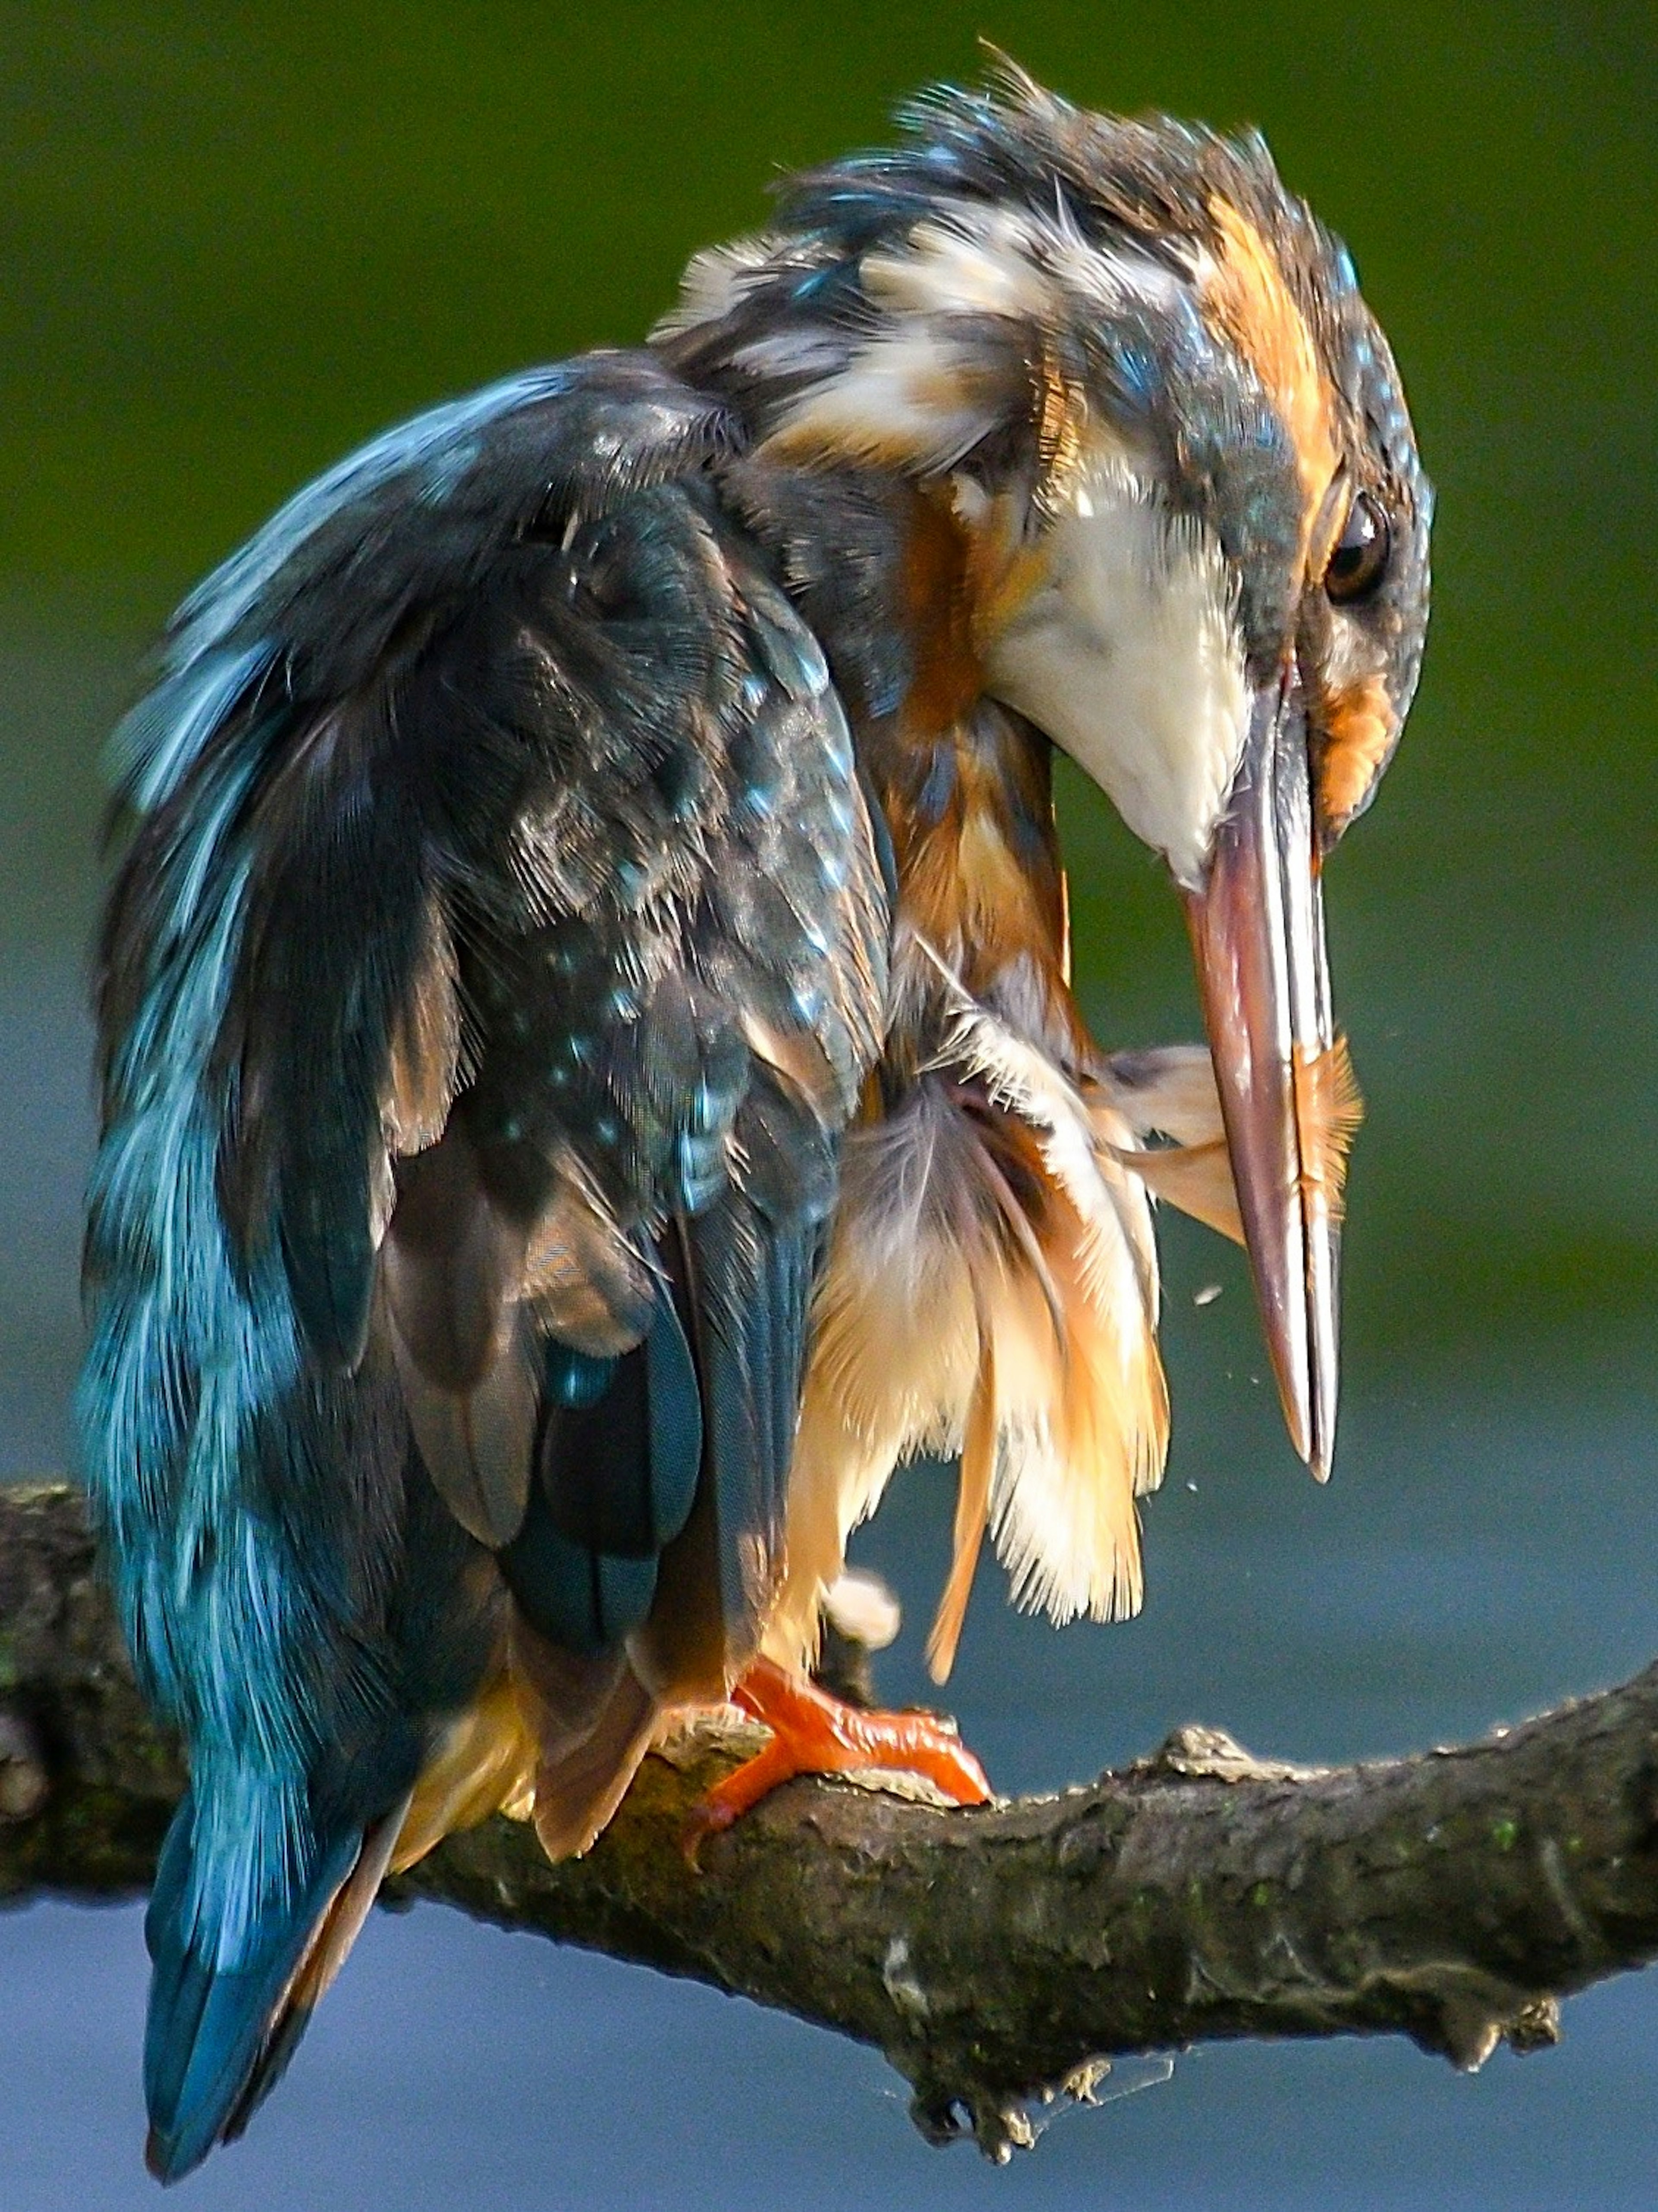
812,1732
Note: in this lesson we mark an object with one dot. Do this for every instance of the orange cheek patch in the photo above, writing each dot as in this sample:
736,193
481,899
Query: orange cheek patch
1248,300
1359,729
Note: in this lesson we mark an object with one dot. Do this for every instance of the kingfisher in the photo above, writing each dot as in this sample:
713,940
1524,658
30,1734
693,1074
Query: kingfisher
591,1080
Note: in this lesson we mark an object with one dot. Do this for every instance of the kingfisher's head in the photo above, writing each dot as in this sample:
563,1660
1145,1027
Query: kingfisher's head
1136,376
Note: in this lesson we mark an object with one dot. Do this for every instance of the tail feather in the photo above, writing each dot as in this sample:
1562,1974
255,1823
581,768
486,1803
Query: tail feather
211,2021
332,1938
990,1293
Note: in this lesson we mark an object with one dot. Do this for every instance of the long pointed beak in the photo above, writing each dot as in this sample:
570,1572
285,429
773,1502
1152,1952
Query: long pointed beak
1286,1089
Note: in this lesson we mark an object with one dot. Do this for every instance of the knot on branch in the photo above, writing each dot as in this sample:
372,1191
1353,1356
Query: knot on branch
24,1782
1199,1752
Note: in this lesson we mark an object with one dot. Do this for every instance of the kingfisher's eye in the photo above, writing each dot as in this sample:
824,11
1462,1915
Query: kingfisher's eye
1360,559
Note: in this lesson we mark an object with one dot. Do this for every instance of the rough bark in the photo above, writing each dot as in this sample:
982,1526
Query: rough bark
996,1956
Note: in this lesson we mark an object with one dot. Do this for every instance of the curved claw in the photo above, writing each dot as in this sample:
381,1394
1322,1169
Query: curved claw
813,1733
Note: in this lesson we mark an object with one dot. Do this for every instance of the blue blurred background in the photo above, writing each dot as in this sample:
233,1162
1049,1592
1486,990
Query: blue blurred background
234,242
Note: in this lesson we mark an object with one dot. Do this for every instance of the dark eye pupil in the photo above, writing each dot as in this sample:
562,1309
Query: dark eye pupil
1360,559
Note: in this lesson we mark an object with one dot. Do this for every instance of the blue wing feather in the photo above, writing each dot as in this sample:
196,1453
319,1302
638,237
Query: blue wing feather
619,1468
754,1259
494,782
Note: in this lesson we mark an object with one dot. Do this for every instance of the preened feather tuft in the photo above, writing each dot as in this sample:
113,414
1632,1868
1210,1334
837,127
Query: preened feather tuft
990,1293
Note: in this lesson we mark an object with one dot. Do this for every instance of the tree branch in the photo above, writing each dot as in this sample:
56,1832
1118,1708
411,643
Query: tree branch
996,1955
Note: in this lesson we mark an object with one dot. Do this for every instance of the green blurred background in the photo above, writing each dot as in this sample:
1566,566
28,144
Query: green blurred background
237,240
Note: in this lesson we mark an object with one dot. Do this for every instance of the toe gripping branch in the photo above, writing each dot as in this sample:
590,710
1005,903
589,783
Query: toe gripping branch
813,1733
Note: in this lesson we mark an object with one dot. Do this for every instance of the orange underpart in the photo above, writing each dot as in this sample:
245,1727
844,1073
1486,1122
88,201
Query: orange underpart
813,1733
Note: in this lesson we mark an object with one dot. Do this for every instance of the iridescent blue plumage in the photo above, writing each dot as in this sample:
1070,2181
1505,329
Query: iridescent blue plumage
494,821
616,1480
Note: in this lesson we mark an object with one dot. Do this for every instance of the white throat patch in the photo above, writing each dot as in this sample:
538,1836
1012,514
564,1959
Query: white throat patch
1127,654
